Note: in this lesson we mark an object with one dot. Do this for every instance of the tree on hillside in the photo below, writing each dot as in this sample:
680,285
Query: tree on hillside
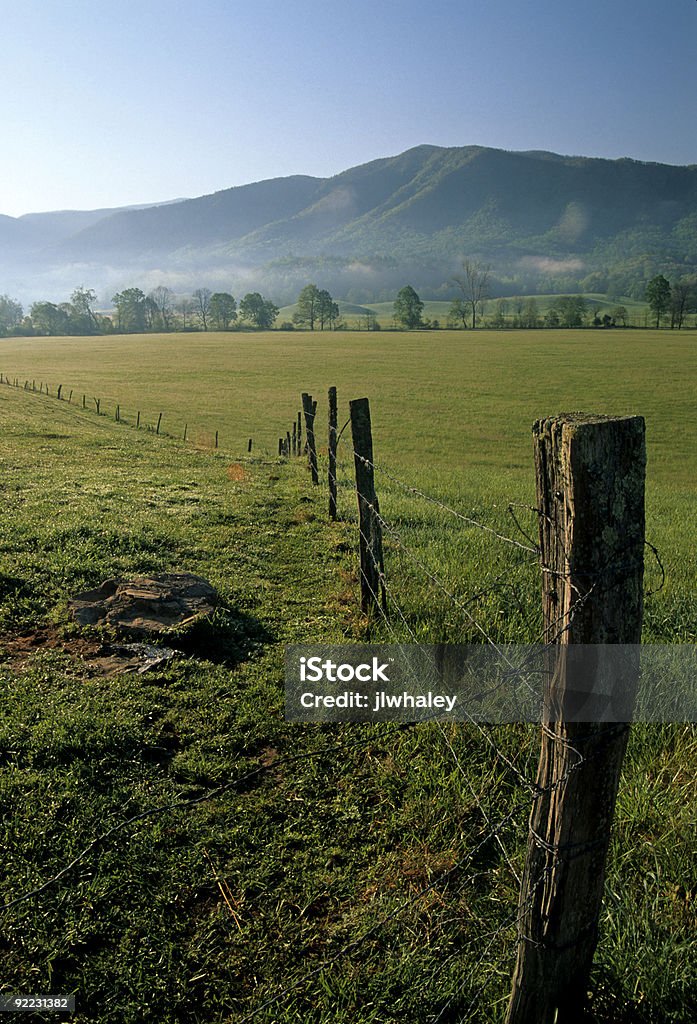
408,308
11,314
474,286
202,305
223,310
658,296
257,310
162,299
308,305
619,313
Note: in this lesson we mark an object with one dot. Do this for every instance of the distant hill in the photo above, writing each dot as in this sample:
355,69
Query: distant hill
543,221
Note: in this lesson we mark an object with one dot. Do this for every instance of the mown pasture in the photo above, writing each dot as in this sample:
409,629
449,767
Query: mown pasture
202,912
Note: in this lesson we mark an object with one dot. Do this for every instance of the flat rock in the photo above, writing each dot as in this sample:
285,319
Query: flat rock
145,605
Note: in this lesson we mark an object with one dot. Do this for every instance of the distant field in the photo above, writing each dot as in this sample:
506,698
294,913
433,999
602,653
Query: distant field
453,404
439,309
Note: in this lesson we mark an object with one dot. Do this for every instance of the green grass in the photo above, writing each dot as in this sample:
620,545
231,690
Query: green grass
313,852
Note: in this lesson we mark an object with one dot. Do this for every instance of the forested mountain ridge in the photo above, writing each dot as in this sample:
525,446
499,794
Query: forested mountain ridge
541,220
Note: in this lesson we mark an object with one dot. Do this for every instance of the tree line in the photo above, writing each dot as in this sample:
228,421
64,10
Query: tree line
135,312
161,310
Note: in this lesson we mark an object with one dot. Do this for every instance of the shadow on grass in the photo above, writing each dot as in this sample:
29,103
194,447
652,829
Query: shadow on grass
226,637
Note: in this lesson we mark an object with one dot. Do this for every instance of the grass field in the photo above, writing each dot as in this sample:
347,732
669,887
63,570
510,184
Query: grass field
202,912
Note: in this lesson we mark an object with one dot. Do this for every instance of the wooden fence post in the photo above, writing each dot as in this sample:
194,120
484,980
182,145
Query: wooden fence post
295,438
309,409
249,445
370,540
332,441
138,419
590,493
300,434
58,393
159,421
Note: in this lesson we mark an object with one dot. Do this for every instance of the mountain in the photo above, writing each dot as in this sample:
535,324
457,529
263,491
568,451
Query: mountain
540,219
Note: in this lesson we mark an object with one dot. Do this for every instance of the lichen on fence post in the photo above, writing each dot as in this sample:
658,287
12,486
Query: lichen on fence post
590,495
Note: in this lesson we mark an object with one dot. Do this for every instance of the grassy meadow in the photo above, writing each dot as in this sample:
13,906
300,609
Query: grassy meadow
352,866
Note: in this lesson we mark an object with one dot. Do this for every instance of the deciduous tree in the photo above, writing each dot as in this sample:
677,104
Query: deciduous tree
408,308
459,313
474,286
682,300
327,310
47,318
223,310
162,298
308,304
257,310
131,310
82,301
658,296
11,314
202,305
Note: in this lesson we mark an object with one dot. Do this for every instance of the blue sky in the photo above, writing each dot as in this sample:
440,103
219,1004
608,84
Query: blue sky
105,104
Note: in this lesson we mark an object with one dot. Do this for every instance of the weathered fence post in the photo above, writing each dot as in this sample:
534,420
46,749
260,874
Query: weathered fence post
159,421
331,444
309,409
138,419
58,393
249,445
117,414
97,402
216,440
370,540
590,493
280,447
186,427
70,396
300,434
288,443
295,438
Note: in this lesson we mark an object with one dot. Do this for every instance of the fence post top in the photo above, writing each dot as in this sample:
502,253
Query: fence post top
579,420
